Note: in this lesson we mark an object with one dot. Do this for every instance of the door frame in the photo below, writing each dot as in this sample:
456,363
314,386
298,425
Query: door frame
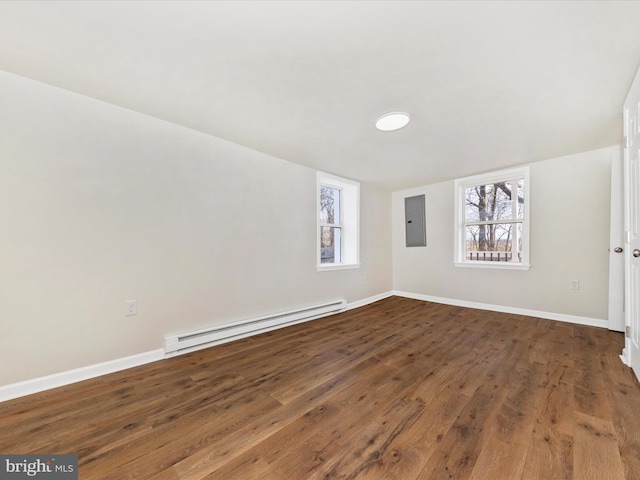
616,240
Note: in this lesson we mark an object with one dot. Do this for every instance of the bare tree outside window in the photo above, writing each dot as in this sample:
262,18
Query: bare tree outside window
494,215
330,225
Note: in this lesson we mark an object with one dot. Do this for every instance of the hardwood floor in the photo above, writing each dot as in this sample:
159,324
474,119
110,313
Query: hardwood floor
399,389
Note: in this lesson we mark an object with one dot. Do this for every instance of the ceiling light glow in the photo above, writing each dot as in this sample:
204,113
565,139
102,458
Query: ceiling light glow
392,121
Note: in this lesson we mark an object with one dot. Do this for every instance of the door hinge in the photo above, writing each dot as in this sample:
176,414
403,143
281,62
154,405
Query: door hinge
625,141
627,331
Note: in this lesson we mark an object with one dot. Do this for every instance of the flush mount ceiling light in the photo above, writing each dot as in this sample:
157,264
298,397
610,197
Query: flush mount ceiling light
392,121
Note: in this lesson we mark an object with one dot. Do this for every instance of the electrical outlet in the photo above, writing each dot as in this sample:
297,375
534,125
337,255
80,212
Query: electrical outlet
574,285
131,307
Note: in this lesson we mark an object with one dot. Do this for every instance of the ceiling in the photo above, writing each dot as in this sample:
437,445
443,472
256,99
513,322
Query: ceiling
487,84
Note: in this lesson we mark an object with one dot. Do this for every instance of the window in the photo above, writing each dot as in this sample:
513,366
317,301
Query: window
338,222
330,226
492,220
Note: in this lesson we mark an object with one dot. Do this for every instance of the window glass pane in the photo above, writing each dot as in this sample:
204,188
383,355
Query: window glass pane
493,242
329,205
485,203
501,201
521,199
472,204
330,245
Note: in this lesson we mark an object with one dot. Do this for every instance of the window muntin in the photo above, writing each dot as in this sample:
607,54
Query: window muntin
492,220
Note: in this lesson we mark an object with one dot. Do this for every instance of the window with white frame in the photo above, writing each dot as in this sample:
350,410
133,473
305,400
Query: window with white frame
492,220
338,222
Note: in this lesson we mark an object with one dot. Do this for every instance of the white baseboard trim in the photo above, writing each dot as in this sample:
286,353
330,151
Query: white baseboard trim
368,300
21,389
625,358
15,390
561,317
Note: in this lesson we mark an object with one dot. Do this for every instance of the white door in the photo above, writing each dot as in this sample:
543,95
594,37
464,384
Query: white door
632,224
616,243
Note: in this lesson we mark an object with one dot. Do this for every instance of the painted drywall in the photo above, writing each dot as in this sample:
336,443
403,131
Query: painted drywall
569,241
100,205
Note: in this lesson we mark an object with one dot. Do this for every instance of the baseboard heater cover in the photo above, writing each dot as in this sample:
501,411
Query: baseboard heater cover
181,343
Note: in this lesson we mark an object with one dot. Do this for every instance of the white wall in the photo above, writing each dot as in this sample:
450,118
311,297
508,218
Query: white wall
569,240
99,205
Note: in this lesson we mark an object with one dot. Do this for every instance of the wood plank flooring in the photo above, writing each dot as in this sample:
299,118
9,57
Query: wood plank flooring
399,389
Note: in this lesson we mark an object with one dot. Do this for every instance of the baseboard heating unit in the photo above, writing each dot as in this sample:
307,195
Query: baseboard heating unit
181,343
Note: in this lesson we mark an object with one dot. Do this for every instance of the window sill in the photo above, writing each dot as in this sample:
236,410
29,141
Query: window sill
337,266
497,265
